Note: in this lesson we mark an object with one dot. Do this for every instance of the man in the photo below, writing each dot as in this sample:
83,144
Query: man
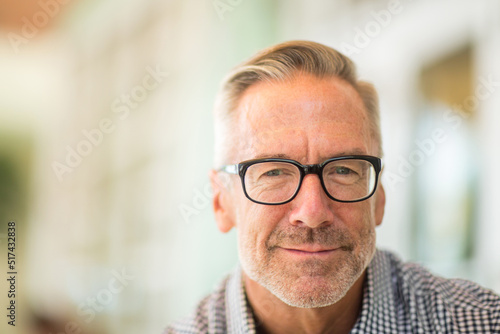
298,151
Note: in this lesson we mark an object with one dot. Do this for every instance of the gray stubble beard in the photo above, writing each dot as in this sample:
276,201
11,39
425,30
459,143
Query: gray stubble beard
345,272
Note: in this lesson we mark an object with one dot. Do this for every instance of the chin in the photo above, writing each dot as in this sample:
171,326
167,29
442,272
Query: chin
311,284
314,292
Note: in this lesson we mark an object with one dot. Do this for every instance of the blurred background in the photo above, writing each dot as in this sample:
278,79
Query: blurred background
106,142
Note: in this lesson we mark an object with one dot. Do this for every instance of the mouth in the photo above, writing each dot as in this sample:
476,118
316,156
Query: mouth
309,250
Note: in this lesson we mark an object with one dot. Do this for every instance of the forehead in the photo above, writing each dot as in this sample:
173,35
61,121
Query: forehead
306,117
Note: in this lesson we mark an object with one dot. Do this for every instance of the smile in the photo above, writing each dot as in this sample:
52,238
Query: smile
309,251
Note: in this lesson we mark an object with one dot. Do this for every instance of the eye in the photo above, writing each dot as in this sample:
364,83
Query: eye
343,171
347,172
271,171
274,172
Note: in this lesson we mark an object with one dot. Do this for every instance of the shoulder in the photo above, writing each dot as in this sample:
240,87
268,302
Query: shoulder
208,316
453,303
417,280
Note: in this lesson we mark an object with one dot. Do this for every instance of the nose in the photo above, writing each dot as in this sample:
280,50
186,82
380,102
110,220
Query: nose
311,207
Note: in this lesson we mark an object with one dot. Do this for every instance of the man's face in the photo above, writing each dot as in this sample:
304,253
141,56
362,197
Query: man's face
310,251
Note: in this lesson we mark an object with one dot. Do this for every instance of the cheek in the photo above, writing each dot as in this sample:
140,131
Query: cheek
256,222
358,215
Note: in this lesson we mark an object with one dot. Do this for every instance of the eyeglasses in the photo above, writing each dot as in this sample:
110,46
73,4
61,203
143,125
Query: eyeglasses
273,181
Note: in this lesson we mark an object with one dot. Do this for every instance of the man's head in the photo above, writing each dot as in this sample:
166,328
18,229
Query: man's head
280,63
300,101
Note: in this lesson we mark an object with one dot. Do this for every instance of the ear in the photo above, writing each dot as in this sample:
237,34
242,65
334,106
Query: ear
379,204
221,202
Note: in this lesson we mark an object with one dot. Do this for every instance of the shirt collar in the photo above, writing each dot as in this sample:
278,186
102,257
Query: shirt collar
240,316
378,296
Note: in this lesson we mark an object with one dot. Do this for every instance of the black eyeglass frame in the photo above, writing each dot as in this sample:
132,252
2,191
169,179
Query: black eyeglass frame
241,169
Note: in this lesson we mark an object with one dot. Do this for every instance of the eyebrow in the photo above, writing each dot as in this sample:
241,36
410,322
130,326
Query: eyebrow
355,151
279,156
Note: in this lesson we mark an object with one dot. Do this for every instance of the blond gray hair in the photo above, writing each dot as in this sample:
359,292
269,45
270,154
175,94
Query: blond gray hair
282,62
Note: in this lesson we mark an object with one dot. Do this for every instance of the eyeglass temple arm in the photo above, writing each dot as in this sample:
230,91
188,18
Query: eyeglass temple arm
231,169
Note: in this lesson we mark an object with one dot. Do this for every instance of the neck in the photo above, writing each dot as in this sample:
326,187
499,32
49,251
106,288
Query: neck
276,317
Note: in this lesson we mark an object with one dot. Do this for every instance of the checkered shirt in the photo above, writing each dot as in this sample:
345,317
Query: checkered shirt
398,298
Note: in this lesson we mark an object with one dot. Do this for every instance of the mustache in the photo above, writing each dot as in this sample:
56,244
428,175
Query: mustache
325,236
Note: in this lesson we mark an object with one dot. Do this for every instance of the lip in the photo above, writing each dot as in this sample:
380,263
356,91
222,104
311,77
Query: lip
309,250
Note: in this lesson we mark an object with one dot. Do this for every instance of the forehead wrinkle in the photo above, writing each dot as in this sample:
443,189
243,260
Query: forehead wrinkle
254,140
263,111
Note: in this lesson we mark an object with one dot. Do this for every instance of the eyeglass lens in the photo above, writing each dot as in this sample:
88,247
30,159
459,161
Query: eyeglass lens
276,182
